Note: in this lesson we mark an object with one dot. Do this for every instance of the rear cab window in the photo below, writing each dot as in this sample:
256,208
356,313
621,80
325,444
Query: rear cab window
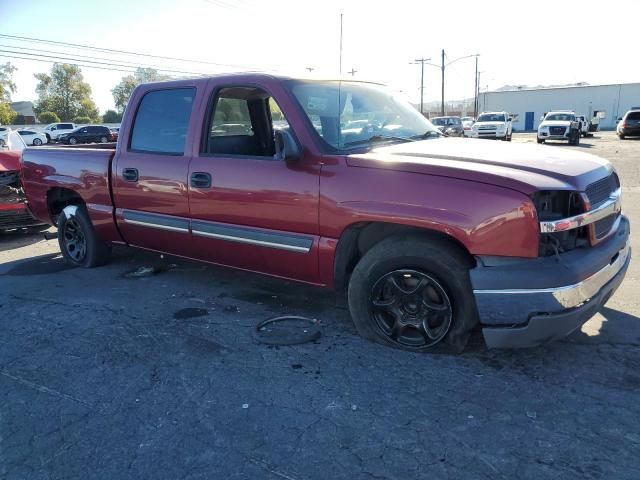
161,122
633,116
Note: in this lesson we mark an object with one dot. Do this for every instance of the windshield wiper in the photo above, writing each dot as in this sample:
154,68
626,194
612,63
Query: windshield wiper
379,138
428,134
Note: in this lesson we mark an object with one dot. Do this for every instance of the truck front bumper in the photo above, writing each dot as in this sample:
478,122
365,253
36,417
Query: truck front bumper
531,302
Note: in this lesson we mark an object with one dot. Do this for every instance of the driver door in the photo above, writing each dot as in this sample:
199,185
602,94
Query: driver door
248,209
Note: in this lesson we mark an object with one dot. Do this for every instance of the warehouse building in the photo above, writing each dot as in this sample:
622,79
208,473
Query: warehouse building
603,103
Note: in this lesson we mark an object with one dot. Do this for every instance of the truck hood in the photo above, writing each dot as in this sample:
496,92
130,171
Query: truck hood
526,168
555,123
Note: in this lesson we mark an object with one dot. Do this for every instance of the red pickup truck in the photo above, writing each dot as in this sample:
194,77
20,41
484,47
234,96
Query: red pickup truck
341,184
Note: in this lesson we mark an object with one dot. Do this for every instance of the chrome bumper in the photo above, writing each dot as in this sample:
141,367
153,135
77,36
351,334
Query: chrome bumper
520,304
535,316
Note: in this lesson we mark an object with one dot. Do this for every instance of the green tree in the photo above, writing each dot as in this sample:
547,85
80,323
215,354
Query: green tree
7,87
123,90
64,92
82,120
48,117
111,116
7,114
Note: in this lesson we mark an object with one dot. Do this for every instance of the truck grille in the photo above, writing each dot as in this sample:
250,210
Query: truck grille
557,130
598,192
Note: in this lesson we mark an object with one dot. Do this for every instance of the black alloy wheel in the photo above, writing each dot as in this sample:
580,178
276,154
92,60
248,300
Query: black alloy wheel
411,308
74,241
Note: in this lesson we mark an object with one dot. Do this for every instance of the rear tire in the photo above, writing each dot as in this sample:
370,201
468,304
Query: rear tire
79,243
413,294
37,142
621,137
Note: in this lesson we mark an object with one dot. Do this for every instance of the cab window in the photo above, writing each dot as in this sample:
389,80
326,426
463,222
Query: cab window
242,122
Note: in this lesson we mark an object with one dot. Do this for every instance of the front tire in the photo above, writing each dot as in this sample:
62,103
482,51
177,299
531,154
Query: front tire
37,142
413,294
540,140
73,141
79,243
104,139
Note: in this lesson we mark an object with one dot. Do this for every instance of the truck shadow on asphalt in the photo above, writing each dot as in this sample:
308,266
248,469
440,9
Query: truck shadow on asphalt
229,291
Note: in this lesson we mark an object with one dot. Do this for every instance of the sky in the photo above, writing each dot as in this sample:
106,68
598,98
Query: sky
520,43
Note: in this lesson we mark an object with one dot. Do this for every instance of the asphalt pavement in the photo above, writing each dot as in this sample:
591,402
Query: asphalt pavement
147,369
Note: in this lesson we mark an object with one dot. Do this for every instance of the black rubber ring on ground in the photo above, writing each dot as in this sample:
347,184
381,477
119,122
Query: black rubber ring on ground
313,333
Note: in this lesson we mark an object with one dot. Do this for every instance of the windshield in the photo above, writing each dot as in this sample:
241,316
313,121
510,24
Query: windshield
345,114
440,121
491,117
566,117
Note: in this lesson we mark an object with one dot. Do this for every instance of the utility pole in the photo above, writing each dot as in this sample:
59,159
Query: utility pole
352,72
442,106
341,44
475,91
421,61
310,69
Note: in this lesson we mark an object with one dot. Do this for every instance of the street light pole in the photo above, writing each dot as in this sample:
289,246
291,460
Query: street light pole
475,91
341,44
442,102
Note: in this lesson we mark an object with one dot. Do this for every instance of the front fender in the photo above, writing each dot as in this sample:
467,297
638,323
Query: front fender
486,219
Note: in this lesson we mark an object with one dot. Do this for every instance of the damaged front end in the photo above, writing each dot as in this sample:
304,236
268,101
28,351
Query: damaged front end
14,212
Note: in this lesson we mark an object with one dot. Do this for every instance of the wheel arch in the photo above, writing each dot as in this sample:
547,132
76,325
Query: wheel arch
58,198
358,238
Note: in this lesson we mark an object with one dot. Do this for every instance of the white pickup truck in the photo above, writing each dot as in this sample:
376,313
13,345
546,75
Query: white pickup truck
495,125
584,125
559,125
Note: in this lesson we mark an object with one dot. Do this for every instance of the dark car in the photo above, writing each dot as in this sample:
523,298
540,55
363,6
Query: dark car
88,134
450,126
629,125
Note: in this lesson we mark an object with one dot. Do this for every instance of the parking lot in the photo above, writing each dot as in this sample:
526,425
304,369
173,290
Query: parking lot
104,374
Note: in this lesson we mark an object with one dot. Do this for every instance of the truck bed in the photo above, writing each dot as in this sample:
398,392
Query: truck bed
84,171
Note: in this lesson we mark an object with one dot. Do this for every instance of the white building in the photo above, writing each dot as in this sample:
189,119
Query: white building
608,102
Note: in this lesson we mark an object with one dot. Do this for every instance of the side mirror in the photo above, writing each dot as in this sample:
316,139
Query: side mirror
286,147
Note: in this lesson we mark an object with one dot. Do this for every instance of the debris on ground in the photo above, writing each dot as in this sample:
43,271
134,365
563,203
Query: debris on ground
190,312
287,330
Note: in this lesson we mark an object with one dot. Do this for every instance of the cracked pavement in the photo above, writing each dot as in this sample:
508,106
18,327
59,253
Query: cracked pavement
99,379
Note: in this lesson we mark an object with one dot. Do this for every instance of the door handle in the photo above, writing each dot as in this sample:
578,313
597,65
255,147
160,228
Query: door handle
200,180
130,174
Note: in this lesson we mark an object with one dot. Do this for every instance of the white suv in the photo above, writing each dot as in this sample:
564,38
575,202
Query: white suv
54,130
495,125
559,125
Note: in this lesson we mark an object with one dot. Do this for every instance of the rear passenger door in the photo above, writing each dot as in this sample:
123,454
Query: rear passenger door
151,171
249,209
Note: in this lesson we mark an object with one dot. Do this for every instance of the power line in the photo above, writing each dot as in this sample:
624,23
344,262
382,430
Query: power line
77,55
93,62
3,55
123,52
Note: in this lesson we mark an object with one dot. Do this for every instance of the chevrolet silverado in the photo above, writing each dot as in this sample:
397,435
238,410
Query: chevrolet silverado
342,185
